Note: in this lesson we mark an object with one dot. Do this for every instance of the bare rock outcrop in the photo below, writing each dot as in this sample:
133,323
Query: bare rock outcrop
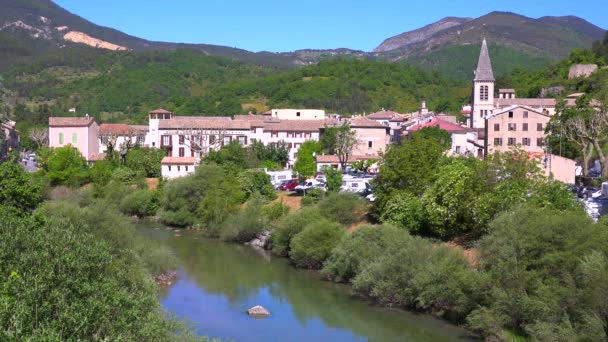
83,38
258,311
581,70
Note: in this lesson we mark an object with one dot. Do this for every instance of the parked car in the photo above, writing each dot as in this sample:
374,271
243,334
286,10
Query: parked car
281,184
290,185
586,191
309,184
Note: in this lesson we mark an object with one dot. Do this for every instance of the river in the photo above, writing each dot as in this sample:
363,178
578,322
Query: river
217,282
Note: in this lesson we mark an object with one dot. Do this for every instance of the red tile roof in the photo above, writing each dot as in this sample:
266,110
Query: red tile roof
294,125
326,158
71,121
160,111
442,124
179,160
383,115
186,122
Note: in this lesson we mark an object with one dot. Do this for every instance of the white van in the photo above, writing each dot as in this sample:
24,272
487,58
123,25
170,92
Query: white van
277,177
357,185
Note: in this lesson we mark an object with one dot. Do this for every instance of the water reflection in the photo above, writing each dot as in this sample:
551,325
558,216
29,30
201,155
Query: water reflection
219,282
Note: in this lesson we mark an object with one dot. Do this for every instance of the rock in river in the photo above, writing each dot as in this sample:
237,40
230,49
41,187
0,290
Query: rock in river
258,312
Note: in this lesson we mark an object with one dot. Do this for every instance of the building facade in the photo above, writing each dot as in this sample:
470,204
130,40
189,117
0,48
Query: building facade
79,132
516,126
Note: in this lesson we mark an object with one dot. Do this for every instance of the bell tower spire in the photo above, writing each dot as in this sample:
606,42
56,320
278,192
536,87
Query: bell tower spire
483,88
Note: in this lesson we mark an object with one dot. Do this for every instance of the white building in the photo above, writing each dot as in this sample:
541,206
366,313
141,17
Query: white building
174,167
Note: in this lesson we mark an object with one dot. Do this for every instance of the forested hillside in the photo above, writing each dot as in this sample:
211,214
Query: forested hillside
123,86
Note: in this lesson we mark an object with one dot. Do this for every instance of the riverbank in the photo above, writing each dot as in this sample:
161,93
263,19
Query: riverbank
217,282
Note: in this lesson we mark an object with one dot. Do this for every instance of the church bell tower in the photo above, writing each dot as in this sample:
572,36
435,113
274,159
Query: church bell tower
483,89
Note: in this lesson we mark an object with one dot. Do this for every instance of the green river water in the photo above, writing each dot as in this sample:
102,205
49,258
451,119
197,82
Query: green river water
217,282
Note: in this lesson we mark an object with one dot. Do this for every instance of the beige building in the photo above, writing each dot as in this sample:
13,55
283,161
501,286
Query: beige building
79,132
298,114
516,126
372,136
485,102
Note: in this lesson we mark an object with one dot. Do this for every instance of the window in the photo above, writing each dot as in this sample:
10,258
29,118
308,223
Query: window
186,168
289,145
227,140
169,167
539,142
178,168
525,141
510,115
525,114
539,127
254,140
497,141
511,141
512,127
496,127
212,139
483,92
74,138
524,127
297,113
369,144
61,138
274,134
457,149
182,152
242,139
191,153
297,145
181,139
166,140
307,135
153,144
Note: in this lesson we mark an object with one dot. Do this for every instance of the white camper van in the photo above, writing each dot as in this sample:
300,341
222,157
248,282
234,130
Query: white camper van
277,177
357,185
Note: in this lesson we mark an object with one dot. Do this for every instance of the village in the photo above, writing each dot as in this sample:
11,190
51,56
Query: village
494,121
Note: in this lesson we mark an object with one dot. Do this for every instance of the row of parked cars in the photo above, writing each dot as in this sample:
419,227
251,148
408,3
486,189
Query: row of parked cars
359,185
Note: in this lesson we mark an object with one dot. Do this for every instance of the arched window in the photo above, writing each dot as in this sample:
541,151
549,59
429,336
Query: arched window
483,92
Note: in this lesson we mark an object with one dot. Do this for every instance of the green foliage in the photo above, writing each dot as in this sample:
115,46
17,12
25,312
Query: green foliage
17,188
443,137
334,179
312,197
254,181
140,203
404,210
305,164
447,202
232,155
71,273
357,249
246,224
539,267
339,141
342,207
411,166
290,226
67,167
272,213
273,156
311,246
146,160
101,172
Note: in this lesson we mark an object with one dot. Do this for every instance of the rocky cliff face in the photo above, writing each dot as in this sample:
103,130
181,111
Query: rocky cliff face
83,38
408,38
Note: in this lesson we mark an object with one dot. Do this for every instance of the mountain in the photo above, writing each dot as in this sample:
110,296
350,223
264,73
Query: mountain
513,39
30,28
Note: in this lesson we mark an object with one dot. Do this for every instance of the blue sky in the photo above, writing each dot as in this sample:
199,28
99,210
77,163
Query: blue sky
286,25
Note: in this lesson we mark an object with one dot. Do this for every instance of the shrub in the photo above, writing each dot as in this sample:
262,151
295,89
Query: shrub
254,181
67,167
141,203
146,160
357,249
246,224
312,197
272,213
291,225
404,210
345,208
313,245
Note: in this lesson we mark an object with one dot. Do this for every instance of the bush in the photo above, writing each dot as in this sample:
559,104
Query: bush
291,225
146,160
313,245
272,213
412,272
345,208
357,249
141,203
67,167
404,210
254,181
246,224
312,197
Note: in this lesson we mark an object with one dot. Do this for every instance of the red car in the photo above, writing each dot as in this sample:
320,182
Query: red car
290,185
